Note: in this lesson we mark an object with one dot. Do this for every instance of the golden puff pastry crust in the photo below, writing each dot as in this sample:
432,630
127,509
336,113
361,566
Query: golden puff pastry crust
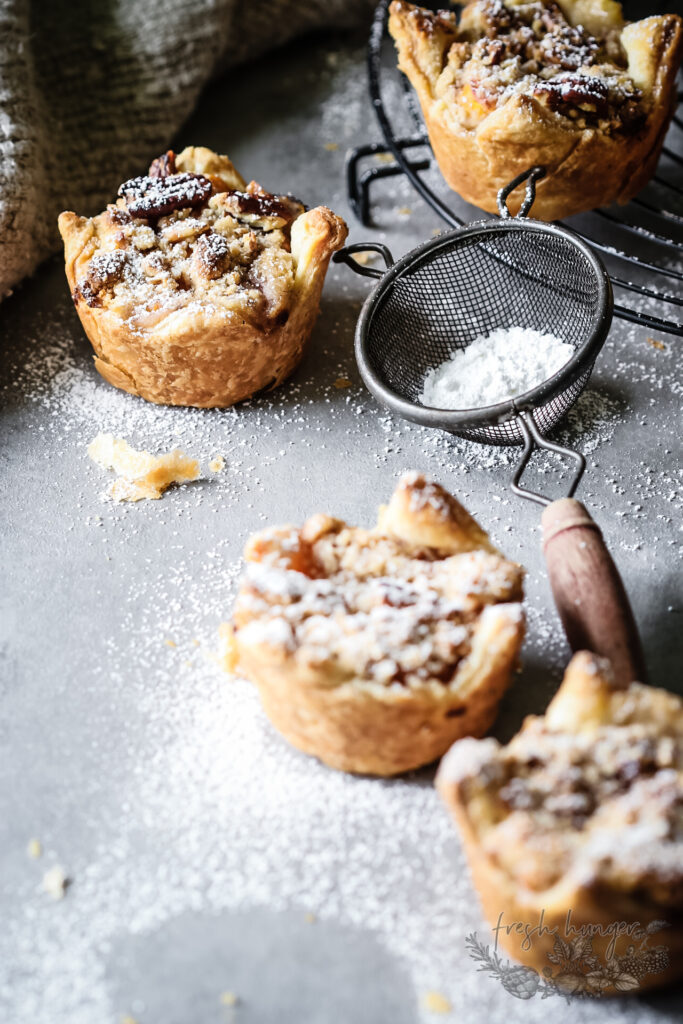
581,814
567,85
374,649
195,288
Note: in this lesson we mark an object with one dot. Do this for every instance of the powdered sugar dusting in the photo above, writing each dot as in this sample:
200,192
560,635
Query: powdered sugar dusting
164,791
202,742
495,367
379,614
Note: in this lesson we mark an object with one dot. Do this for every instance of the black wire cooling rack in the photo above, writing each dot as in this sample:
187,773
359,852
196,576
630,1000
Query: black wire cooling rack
653,221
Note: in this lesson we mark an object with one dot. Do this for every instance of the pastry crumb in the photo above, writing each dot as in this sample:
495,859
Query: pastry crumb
34,848
171,643
405,210
384,158
362,257
127,1019
229,999
343,382
656,344
331,146
140,474
434,1002
55,882
310,918
217,464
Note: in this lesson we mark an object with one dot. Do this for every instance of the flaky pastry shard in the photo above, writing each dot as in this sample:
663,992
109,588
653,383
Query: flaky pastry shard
374,649
139,474
195,288
568,86
575,828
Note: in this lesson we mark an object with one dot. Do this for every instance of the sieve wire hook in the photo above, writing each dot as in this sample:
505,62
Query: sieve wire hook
531,176
345,255
533,439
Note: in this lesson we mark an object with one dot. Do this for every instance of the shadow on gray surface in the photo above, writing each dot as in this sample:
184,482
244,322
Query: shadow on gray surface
530,693
280,967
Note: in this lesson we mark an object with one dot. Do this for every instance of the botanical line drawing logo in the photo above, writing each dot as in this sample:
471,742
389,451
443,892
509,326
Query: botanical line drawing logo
574,969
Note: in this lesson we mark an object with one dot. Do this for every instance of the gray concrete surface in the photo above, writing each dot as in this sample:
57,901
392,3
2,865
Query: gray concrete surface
204,855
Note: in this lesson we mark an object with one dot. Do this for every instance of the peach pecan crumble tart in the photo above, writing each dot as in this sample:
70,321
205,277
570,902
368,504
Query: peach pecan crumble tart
375,649
581,814
195,288
567,85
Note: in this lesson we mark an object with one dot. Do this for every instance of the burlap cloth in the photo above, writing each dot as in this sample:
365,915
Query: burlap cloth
91,90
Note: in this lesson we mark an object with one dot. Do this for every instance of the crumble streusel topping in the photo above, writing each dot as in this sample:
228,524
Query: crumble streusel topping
602,801
177,240
531,49
372,606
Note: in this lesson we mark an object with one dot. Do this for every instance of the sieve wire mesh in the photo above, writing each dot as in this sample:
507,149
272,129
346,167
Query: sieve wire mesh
444,298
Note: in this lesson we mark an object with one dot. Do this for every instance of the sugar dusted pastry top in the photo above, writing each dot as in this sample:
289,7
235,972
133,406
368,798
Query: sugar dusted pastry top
577,59
191,235
591,791
391,606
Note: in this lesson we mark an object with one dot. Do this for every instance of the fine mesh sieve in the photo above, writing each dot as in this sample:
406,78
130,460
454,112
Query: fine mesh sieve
492,274
498,274
443,296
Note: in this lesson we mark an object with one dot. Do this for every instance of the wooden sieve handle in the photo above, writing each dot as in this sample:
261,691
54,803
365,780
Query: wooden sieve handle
588,590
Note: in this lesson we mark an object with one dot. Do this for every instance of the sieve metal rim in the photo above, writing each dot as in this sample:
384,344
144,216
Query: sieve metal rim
454,420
